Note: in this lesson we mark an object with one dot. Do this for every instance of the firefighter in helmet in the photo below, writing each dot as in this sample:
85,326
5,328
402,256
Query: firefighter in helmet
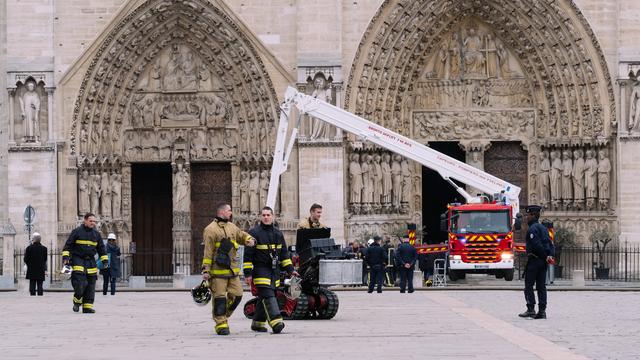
262,265
79,252
219,265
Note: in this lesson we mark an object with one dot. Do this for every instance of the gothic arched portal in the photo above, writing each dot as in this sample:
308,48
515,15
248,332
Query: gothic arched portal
478,72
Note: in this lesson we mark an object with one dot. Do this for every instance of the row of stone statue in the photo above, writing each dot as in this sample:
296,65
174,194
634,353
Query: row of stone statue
379,183
575,180
254,186
100,192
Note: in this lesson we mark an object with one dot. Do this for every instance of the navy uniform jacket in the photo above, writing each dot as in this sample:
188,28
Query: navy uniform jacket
258,260
538,241
375,256
406,253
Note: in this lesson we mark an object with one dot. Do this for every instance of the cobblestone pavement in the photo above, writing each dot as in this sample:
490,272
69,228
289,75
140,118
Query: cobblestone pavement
422,325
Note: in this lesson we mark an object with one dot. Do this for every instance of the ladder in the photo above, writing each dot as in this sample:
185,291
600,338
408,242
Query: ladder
440,273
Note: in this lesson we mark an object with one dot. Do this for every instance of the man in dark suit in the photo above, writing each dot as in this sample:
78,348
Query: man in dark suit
376,259
406,257
35,256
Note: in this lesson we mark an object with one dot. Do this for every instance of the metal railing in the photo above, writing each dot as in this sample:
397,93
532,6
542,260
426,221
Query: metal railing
620,263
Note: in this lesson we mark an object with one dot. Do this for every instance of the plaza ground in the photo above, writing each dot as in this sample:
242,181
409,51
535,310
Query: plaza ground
426,324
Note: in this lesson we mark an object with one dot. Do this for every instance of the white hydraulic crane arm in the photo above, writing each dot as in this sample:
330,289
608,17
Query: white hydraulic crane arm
448,167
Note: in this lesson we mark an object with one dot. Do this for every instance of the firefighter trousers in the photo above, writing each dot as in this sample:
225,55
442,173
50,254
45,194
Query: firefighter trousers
84,288
227,294
267,309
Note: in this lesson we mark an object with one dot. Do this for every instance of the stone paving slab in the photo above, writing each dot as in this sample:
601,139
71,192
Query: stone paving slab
422,325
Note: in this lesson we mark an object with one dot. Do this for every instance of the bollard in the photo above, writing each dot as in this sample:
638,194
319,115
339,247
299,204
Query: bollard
417,279
137,282
578,278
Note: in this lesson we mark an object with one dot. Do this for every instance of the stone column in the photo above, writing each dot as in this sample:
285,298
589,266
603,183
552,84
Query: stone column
474,150
50,132
11,114
181,220
8,250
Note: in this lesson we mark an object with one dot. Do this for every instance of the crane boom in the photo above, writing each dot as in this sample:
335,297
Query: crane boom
446,166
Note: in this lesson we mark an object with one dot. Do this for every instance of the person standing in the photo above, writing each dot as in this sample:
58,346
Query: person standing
79,252
112,272
313,221
262,267
540,252
375,258
406,257
35,256
221,241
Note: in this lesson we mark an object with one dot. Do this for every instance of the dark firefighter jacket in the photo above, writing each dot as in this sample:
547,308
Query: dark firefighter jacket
81,247
406,253
538,241
259,260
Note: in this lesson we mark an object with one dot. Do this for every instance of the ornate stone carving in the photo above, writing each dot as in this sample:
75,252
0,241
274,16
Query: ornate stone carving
116,195
577,174
453,125
30,113
604,178
181,189
254,192
84,204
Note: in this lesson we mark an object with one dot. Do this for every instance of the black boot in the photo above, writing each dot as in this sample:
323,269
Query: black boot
259,326
531,312
76,307
542,312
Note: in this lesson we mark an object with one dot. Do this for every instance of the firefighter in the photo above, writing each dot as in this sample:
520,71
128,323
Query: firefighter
262,265
540,252
313,221
79,252
221,241
376,259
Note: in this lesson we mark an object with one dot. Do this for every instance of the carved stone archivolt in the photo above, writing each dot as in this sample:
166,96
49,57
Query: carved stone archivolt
174,81
524,71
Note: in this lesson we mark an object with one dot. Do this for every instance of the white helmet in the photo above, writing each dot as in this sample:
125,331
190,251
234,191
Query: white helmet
370,242
65,273
111,236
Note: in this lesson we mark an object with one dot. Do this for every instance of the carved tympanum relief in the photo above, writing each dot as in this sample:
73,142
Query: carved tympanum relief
172,82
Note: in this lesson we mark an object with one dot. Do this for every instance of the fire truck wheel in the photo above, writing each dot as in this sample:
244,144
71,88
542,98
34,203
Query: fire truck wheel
453,275
500,274
508,275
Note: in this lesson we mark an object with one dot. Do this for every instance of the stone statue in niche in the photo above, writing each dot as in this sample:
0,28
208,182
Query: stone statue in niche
406,185
254,192
355,182
231,143
590,178
262,139
105,203
387,184
321,90
204,76
95,193
396,176
544,181
567,169
116,195
377,182
474,59
366,166
554,178
634,110
244,192
604,178
491,57
181,71
503,60
181,189
264,187
578,179
148,112
30,108
83,193
156,76
164,145
454,57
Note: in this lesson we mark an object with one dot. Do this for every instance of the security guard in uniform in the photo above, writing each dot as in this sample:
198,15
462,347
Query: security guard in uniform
540,252
79,252
313,221
262,265
221,241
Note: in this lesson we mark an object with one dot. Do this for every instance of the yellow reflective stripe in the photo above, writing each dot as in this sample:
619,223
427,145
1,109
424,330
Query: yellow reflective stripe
262,281
77,301
221,326
207,261
225,271
86,242
286,262
92,271
87,306
277,283
266,247
78,268
217,244
104,257
235,244
260,323
66,253
247,265
247,237
275,321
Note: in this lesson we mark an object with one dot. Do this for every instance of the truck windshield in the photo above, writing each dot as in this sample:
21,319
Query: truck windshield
480,222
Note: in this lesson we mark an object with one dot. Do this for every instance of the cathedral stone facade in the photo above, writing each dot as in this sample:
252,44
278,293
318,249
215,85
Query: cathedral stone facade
149,112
